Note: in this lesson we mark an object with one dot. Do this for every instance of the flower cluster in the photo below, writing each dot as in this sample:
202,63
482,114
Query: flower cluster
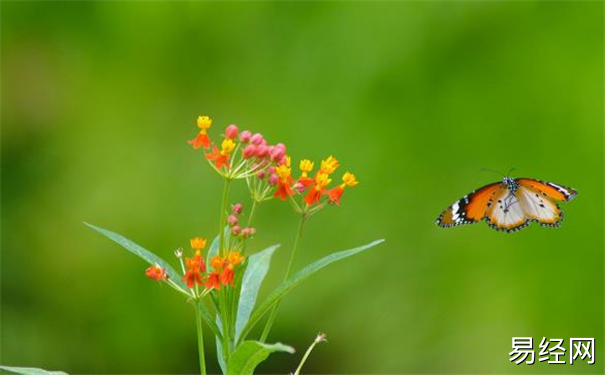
195,270
314,187
240,154
234,223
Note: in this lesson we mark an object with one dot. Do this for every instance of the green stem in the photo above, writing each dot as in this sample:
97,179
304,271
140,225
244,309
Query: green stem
251,212
224,313
273,313
200,336
319,339
224,322
221,229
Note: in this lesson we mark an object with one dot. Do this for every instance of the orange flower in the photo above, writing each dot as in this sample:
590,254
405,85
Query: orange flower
213,281
235,258
221,158
348,179
156,272
227,275
319,187
203,122
284,175
195,268
217,262
196,263
193,277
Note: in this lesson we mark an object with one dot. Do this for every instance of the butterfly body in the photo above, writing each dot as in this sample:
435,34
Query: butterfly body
510,205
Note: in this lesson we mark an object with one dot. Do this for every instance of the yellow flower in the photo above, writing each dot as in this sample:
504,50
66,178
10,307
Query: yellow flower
283,172
198,243
204,122
321,181
235,257
329,165
349,179
227,146
306,166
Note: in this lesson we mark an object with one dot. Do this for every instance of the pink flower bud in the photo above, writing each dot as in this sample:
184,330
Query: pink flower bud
261,174
256,139
278,154
283,161
231,131
237,208
299,187
232,220
271,169
262,151
247,232
249,151
245,136
273,179
236,230
281,145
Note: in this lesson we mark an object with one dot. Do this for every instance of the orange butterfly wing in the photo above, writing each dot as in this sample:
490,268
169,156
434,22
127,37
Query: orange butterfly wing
470,208
554,191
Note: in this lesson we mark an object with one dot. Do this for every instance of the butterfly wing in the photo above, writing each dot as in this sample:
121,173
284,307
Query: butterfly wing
548,189
539,206
470,208
507,213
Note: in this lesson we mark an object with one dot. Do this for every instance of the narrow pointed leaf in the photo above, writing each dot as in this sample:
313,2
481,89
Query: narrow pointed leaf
213,249
299,277
219,347
30,371
258,266
250,354
144,254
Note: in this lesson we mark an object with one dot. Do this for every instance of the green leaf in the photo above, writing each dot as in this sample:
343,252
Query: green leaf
256,270
213,249
219,347
30,371
299,277
249,354
145,254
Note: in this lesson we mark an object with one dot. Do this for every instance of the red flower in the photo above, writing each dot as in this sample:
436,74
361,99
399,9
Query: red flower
221,157
193,277
202,140
227,275
213,281
196,263
156,272
335,194
203,122
319,188
195,268
284,182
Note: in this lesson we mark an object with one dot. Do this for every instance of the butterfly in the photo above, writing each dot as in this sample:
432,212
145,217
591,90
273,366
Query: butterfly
510,205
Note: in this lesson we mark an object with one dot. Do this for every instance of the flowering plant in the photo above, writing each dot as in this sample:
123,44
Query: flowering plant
222,282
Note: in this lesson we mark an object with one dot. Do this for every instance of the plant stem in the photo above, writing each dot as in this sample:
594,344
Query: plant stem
273,313
221,229
224,314
251,212
222,298
319,339
200,336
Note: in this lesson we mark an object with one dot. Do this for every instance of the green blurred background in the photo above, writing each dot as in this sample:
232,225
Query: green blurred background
98,100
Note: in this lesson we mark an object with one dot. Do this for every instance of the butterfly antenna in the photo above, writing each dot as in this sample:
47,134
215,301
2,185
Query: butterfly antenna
492,170
510,171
